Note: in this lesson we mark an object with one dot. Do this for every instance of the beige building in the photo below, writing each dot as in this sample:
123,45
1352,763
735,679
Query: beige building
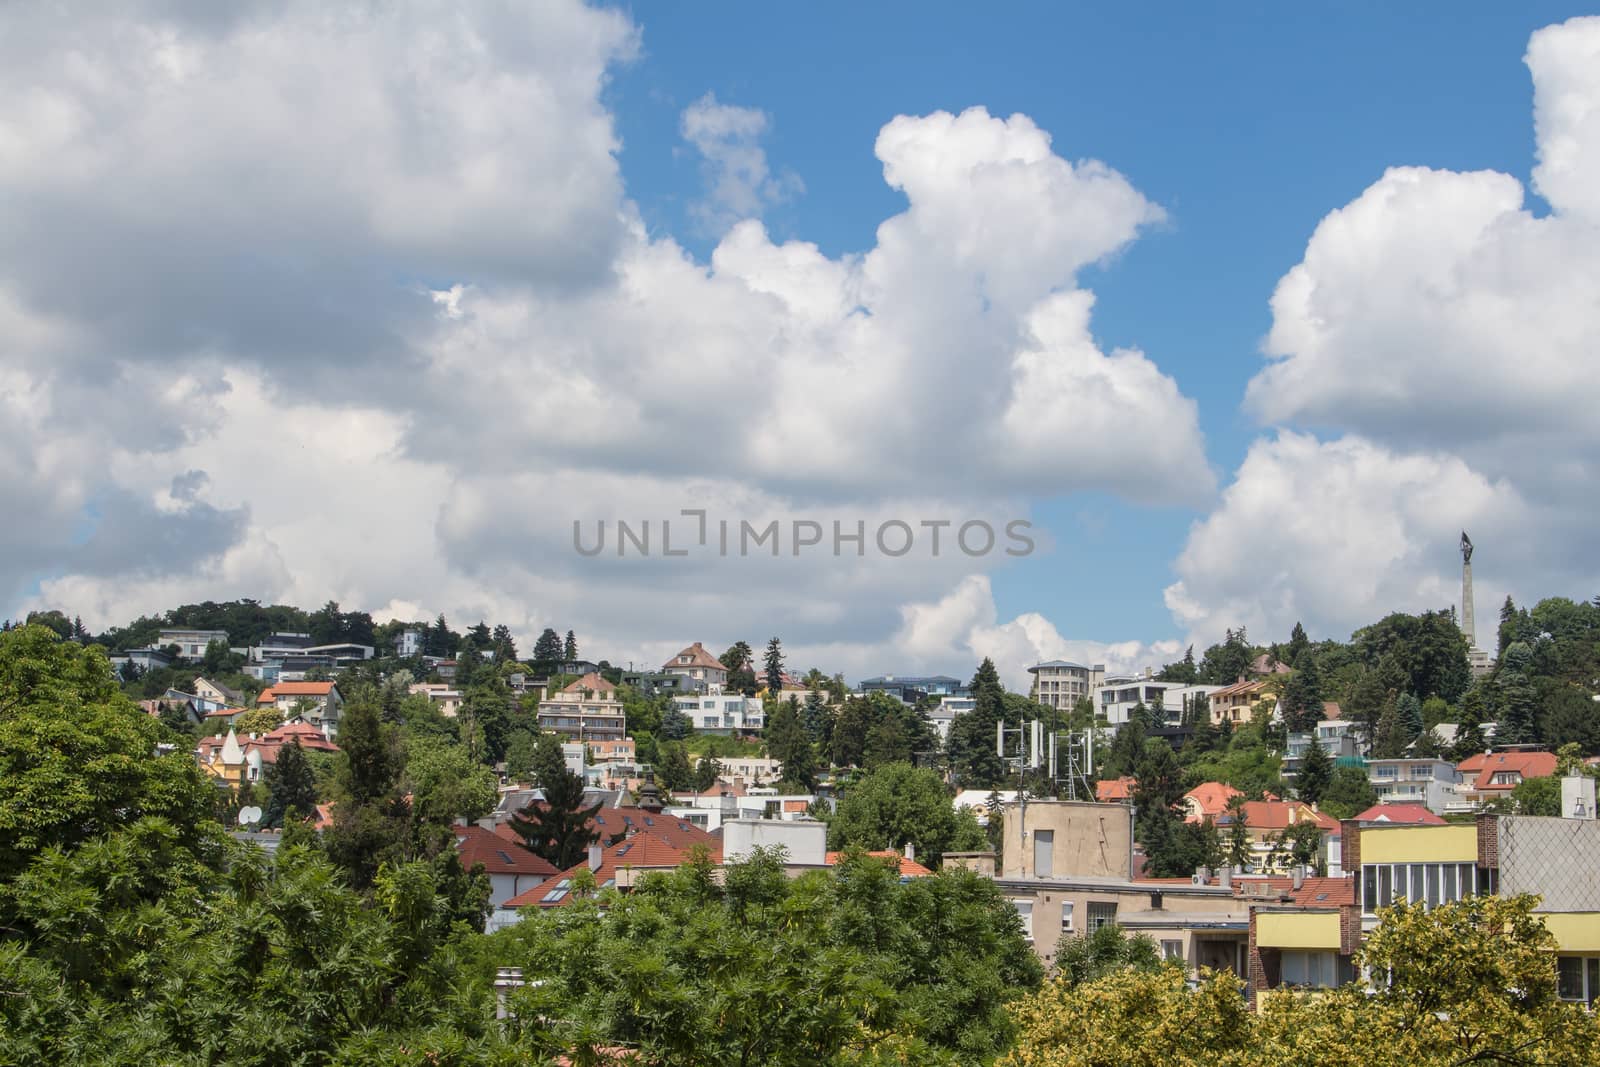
1060,683
587,710
1233,704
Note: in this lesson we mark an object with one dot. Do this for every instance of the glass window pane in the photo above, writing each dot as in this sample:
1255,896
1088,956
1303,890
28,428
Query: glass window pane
1369,888
1432,873
1594,980
1569,978
1418,890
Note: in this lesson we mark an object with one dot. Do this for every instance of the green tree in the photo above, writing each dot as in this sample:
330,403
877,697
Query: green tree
1315,774
673,770
1408,712
899,804
292,786
790,745
77,758
569,648
1348,794
547,649
772,665
706,772
1091,957
1238,851
520,748
1302,695
445,783
371,820
971,749
559,829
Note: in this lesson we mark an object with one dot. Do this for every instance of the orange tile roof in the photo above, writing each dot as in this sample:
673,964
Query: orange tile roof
1278,814
476,845
1111,790
299,689
1212,797
1404,814
909,868
264,697
1485,765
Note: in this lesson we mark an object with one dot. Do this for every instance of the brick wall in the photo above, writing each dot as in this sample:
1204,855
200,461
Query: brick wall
1489,841
1350,855
1349,928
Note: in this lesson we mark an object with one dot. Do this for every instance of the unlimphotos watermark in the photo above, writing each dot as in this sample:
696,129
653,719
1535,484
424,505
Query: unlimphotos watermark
741,537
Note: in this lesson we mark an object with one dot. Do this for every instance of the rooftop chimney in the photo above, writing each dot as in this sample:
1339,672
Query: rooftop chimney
1299,877
911,851
595,852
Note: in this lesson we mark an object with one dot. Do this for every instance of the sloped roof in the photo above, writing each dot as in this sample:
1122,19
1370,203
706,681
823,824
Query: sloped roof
591,682
909,868
1111,790
641,851
1403,814
476,845
1278,814
1265,664
698,657
1239,689
1212,797
1327,892
1483,766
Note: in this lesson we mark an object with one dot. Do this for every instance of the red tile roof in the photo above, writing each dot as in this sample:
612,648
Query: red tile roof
1328,892
264,697
909,868
476,845
698,657
1111,790
1483,766
1403,814
642,851
224,713
1239,689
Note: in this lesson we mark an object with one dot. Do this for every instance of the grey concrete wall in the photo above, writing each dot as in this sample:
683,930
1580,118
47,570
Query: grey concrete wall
1559,859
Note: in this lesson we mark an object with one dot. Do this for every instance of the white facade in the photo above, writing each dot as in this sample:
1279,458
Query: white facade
408,644
805,843
1116,697
1430,782
191,643
722,713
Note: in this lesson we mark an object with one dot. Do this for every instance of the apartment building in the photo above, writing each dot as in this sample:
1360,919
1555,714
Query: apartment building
586,710
1060,683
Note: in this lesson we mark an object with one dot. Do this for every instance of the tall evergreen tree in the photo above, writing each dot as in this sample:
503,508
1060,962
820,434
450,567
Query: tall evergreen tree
1388,737
293,786
773,664
558,829
1238,850
790,744
672,769
817,720
1302,695
371,823
505,647
1316,771
547,650
547,762
1408,712
1298,643
1469,727
1517,697
569,648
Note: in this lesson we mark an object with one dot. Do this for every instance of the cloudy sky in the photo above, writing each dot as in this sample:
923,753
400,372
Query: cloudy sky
1247,316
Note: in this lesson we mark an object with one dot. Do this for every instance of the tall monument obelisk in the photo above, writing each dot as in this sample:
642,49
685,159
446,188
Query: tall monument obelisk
1468,627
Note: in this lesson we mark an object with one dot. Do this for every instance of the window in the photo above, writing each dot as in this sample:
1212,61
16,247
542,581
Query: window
1066,916
1314,970
1578,978
1385,884
1422,770
1025,913
1101,914
1172,950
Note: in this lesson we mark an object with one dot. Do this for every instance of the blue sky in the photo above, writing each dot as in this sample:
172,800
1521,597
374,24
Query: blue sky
1246,122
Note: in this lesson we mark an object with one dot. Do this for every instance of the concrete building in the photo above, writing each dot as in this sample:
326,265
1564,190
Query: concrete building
447,698
191,644
1430,782
408,644
804,842
1061,683
1116,696
1234,704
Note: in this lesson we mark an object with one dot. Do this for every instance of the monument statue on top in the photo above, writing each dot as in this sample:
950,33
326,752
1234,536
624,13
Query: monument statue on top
1466,548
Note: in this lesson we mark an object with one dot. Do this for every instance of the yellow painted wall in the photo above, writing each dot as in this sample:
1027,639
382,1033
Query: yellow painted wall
1297,929
1576,931
1419,844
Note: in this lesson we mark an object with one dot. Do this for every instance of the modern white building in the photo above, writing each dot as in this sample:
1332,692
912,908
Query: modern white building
1116,696
1430,782
1060,683
722,713
408,644
191,643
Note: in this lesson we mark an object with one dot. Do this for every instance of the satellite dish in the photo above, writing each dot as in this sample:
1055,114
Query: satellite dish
249,815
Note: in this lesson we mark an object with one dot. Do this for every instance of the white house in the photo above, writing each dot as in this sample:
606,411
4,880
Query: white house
722,713
191,643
